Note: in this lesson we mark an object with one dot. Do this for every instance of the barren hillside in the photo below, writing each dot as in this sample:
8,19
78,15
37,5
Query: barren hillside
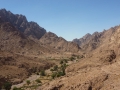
89,63
99,70
59,43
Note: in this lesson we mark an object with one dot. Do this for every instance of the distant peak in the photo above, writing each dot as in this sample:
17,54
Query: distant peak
51,34
3,9
30,29
87,36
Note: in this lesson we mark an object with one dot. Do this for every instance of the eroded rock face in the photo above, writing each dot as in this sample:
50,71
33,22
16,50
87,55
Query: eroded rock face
108,57
30,29
83,39
90,42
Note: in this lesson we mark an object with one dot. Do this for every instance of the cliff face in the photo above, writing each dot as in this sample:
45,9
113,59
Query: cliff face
30,29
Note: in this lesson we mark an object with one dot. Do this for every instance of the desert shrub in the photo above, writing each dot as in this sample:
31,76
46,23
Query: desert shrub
34,69
61,62
15,88
51,70
79,57
55,68
72,58
53,75
60,73
42,73
38,81
7,86
66,61
64,65
28,82
37,73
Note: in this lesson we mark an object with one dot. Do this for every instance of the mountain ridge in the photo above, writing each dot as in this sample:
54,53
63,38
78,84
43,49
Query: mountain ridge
99,70
21,23
33,30
30,49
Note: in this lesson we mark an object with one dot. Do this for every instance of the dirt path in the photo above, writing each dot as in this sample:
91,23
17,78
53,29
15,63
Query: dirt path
31,78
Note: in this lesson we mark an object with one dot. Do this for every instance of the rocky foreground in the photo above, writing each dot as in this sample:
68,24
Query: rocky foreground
92,73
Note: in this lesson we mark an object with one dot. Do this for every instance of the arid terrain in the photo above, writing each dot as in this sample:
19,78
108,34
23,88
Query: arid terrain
33,59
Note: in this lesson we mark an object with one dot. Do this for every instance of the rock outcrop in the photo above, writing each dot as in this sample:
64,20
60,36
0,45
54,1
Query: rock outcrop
35,32
30,29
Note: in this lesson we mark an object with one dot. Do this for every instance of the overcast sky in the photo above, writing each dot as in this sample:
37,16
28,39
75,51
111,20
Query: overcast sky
69,19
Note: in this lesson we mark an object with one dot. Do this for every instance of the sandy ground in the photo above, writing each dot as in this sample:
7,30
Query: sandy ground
31,78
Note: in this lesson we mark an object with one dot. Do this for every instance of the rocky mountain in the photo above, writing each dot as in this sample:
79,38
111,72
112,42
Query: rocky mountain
23,50
59,43
91,42
99,70
19,55
30,29
12,40
27,48
35,32
82,41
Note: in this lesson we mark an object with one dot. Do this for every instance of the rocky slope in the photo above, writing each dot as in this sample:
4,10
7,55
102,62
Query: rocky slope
21,52
35,32
30,29
15,68
59,43
19,55
23,44
91,42
99,70
12,40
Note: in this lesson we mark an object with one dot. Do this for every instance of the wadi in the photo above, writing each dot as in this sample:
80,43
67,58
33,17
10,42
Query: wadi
33,59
